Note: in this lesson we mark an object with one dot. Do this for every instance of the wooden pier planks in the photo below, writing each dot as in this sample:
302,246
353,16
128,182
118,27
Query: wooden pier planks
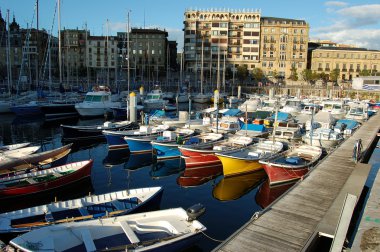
290,222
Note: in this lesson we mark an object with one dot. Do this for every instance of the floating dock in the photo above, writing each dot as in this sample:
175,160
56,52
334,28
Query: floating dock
312,208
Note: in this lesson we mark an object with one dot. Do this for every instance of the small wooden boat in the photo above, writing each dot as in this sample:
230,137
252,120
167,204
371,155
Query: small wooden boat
166,148
115,139
75,133
292,164
86,208
200,160
18,153
44,180
13,146
245,160
164,230
326,138
33,160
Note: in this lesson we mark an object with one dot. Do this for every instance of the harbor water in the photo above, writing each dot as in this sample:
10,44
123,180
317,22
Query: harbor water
229,202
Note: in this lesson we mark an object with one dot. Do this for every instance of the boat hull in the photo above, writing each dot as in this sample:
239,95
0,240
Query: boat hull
33,110
166,151
327,144
233,166
116,142
280,174
44,186
139,145
59,111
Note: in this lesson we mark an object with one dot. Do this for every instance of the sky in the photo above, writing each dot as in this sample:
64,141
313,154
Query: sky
355,22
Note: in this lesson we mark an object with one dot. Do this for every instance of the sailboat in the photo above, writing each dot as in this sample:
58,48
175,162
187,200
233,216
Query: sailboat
201,97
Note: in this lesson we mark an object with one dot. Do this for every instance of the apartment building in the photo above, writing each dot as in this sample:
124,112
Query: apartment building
228,37
102,58
350,61
283,45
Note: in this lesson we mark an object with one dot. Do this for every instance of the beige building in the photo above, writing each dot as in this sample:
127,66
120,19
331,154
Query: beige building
232,35
350,61
102,58
284,43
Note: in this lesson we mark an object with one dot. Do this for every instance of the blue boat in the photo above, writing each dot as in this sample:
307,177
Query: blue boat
137,161
166,168
140,144
29,109
252,130
115,139
166,147
346,126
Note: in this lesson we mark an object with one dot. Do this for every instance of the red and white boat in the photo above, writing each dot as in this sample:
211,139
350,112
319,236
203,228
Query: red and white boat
292,164
202,160
44,180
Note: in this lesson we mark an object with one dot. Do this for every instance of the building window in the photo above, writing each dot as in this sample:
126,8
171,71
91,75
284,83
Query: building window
300,65
271,54
300,55
264,63
271,64
294,55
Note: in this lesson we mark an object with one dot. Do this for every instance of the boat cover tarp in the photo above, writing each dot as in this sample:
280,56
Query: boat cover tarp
324,117
281,116
350,124
252,127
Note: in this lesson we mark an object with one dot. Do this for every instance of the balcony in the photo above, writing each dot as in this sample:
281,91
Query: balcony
320,69
357,70
327,69
344,70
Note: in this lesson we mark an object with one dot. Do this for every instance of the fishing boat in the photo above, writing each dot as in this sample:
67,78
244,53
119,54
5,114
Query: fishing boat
200,160
292,106
292,164
336,108
165,230
358,112
41,159
232,188
79,132
225,125
154,100
86,208
346,127
246,159
12,146
43,180
166,148
18,153
140,144
115,139
96,103
326,138
287,131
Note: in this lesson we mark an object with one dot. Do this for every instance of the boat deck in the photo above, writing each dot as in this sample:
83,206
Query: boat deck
367,237
313,205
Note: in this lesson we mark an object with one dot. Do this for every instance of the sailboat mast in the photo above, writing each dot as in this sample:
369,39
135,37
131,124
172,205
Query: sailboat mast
108,69
9,65
37,40
128,52
87,63
218,69
202,67
59,43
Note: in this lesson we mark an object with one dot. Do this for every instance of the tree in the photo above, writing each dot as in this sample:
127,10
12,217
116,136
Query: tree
242,73
334,75
324,77
307,75
293,73
365,72
258,74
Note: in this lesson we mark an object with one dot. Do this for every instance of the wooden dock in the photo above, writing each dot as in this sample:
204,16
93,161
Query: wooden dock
367,237
312,207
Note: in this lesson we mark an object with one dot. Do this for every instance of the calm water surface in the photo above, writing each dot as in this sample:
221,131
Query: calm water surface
229,203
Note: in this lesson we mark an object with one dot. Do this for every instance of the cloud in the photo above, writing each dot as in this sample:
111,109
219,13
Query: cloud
336,4
357,25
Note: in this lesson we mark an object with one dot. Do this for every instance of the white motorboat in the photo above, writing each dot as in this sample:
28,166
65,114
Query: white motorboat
326,138
96,103
287,131
322,119
336,108
292,106
358,112
250,105
164,230
154,100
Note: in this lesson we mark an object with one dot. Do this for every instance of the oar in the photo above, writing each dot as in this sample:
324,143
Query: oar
79,218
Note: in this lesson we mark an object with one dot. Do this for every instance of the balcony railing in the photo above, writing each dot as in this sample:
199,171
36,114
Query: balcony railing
320,69
327,69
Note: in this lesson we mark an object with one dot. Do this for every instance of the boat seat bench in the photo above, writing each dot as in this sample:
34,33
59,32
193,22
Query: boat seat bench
129,232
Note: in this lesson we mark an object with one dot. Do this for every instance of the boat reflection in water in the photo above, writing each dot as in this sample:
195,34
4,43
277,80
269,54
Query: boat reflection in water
77,189
167,167
267,193
116,157
185,181
232,188
137,161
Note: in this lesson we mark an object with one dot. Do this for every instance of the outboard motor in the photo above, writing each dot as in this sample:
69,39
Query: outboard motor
195,211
